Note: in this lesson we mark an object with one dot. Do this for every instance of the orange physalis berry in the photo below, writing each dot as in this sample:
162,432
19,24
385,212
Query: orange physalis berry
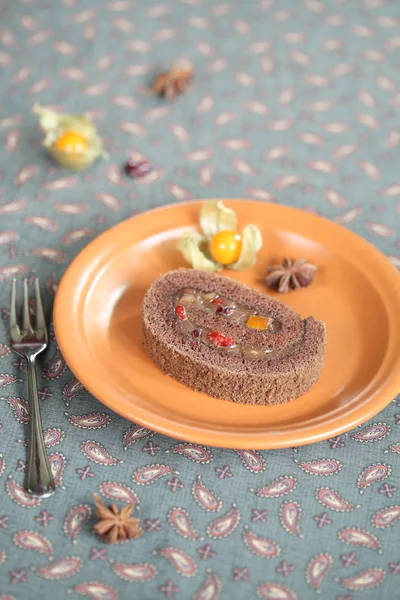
71,142
226,246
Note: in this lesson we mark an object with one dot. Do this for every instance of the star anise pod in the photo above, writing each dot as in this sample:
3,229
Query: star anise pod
116,526
290,275
173,82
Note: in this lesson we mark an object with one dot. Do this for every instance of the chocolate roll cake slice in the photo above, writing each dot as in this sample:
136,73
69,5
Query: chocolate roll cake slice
220,337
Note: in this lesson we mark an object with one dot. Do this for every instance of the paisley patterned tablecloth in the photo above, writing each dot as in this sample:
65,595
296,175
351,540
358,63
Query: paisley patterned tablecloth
293,102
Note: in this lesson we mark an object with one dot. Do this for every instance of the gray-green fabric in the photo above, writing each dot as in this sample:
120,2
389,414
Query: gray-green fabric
294,102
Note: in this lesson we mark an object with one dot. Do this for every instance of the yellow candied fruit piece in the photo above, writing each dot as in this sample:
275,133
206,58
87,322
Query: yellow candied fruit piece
71,142
256,322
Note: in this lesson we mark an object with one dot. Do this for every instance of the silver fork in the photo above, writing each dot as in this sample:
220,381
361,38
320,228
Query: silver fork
28,343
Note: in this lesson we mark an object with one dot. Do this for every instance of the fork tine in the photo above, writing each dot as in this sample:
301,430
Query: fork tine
40,320
13,311
26,320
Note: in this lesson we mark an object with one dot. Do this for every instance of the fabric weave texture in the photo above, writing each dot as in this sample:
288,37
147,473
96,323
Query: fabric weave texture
293,101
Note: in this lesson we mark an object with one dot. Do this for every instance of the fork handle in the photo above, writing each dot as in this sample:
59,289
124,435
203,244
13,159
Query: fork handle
40,478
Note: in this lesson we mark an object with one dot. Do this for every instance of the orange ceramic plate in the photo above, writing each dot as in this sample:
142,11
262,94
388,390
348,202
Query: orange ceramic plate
356,292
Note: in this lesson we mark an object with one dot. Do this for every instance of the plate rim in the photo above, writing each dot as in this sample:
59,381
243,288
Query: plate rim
193,434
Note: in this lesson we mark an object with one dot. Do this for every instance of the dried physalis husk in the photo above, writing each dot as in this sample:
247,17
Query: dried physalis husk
215,217
71,140
193,248
251,243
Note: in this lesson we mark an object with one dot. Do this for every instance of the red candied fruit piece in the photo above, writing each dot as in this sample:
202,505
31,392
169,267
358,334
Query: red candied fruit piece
217,301
180,312
137,169
227,310
196,333
220,340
